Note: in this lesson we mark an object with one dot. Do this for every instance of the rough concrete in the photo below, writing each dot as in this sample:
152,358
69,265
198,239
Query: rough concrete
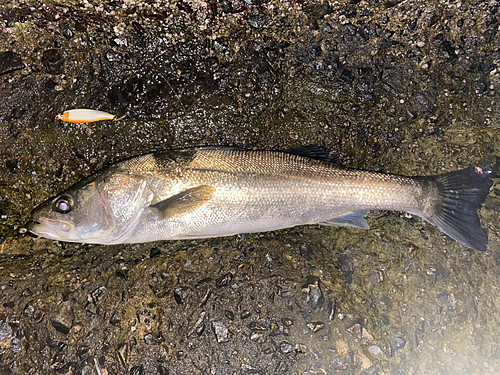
408,87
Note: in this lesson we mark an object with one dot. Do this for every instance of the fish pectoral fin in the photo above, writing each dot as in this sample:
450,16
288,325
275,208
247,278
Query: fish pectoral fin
352,219
183,202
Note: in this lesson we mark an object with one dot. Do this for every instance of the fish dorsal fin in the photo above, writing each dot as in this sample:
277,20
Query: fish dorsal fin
183,202
352,219
313,152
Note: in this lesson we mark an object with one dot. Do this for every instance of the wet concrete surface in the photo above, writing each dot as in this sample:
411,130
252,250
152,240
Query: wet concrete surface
404,87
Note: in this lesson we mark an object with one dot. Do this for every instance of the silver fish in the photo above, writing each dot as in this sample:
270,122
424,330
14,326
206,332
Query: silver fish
212,192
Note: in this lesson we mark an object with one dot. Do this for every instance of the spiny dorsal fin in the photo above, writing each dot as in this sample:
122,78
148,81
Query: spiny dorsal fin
184,202
313,152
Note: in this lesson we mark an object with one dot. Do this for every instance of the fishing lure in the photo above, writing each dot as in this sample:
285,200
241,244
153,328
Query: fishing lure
82,116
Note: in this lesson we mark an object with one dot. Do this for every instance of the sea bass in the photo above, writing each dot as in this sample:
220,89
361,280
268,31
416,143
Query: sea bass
213,192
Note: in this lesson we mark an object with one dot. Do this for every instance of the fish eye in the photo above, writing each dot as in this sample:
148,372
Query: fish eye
64,204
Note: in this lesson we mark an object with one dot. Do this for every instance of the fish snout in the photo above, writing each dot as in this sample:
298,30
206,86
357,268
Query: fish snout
31,226
55,230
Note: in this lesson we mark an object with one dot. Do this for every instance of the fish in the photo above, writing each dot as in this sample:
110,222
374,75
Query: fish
83,116
216,191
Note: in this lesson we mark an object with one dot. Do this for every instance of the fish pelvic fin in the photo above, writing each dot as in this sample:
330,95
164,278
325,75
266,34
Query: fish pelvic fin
184,202
352,219
454,212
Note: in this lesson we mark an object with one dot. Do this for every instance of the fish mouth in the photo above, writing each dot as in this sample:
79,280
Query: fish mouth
31,226
52,229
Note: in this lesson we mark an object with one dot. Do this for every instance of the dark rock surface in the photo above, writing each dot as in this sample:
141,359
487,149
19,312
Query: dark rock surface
397,86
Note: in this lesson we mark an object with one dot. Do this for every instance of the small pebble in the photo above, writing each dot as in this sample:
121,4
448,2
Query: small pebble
315,326
375,350
115,319
224,280
180,295
399,343
314,295
245,314
148,339
356,329
221,332
286,347
154,252
5,330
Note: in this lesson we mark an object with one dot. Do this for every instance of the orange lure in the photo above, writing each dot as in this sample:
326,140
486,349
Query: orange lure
82,116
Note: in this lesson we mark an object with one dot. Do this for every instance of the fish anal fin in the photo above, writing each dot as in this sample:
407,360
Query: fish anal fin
183,202
352,219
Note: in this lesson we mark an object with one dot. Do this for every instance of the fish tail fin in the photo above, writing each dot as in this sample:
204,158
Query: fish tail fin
454,212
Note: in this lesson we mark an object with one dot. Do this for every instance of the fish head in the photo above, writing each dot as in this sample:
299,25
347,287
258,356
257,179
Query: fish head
101,210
